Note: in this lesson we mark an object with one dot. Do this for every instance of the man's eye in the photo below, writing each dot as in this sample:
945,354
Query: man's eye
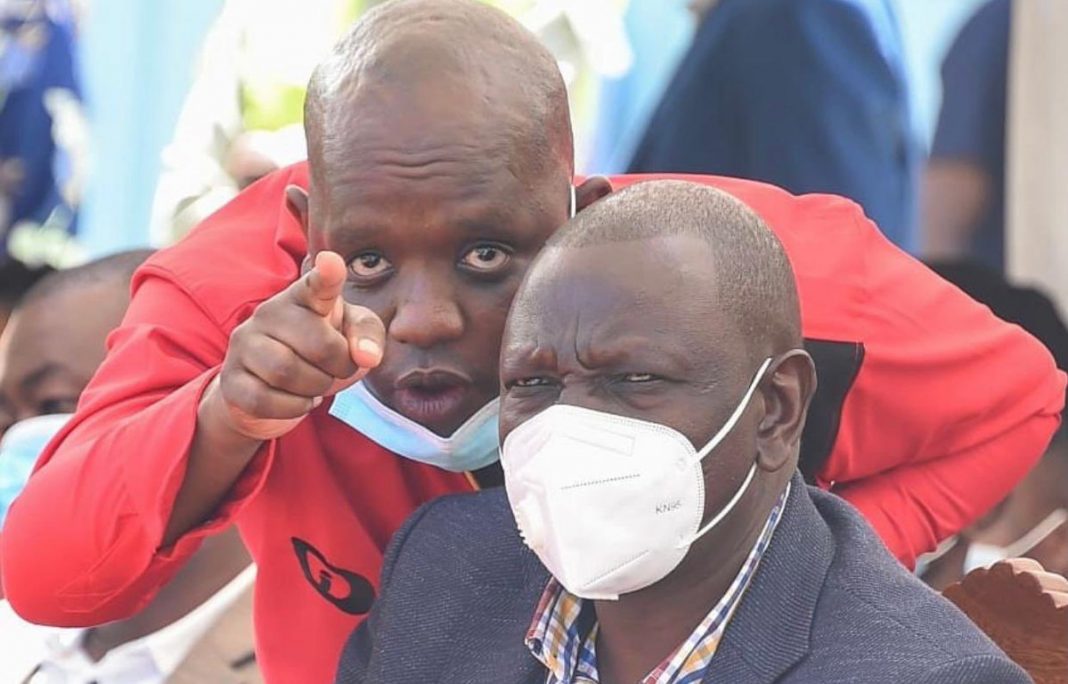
530,382
486,258
369,265
58,405
639,377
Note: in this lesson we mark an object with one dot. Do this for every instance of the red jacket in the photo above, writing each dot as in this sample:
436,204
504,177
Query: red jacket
942,410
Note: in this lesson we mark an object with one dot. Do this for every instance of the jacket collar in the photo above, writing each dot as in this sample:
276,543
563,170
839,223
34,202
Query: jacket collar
770,632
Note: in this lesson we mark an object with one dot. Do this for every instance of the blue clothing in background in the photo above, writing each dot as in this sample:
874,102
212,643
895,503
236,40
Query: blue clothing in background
36,56
659,31
809,95
971,124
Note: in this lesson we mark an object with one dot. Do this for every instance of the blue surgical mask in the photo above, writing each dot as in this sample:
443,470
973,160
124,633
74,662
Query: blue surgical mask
474,445
19,449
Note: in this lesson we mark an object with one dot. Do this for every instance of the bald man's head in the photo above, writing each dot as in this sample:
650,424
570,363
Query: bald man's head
663,303
56,338
470,68
755,283
112,272
440,150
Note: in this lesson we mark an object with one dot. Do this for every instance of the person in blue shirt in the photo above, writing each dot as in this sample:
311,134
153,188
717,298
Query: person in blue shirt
37,77
809,95
964,184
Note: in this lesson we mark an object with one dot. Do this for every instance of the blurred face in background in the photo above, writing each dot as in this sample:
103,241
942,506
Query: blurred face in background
49,351
52,346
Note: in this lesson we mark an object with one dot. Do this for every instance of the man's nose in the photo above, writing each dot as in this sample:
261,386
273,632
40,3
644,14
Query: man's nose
427,314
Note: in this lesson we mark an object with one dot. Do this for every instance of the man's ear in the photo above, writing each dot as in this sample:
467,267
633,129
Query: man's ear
787,393
297,203
591,190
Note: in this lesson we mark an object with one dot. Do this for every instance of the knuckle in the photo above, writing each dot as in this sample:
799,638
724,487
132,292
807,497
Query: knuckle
255,403
239,337
268,308
321,351
341,365
240,390
321,385
280,369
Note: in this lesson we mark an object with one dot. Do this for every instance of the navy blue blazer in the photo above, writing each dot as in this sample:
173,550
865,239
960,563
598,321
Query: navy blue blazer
827,605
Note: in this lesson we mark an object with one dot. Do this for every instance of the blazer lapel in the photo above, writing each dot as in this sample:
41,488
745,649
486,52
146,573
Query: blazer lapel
770,630
492,617
528,669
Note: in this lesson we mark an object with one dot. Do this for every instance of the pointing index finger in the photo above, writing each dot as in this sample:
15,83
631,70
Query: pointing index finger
320,288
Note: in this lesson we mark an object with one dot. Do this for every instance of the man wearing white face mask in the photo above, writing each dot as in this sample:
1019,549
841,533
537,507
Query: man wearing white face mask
654,394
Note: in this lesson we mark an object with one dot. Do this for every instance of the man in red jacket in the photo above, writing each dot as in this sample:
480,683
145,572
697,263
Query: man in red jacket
440,161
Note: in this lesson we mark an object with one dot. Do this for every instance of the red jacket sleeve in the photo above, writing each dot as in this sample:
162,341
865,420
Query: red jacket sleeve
950,409
81,543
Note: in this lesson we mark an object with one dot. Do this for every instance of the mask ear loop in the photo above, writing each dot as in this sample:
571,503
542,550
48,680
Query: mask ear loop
738,411
714,442
572,208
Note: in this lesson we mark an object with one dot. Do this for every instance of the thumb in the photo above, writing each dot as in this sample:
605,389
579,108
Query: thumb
320,289
366,337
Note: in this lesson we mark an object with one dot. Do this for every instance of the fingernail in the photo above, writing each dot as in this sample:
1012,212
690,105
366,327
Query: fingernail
316,402
369,346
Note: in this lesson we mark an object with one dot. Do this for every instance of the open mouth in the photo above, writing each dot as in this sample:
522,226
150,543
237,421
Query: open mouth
432,398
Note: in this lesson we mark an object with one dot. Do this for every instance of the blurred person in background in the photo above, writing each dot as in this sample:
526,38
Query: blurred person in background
809,95
15,279
590,43
963,198
200,625
42,129
242,117
1033,520
1036,204
243,114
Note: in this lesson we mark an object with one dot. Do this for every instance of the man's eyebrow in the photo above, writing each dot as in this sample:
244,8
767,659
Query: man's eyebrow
527,356
355,230
496,224
40,375
484,225
619,353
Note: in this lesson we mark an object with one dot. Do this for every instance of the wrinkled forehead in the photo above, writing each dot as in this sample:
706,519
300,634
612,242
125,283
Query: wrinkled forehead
446,173
657,289
435,128
411,119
